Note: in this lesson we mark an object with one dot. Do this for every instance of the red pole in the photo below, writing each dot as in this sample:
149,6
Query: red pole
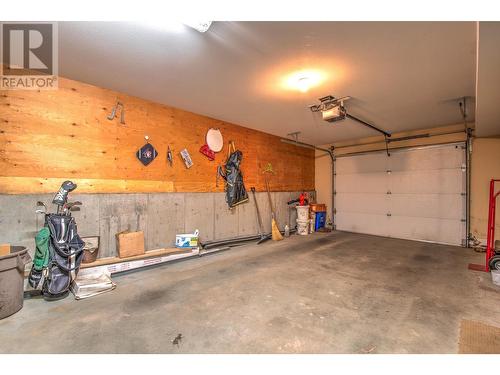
490,241
490,231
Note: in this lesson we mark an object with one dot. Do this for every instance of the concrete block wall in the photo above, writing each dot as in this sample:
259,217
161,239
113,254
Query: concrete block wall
159,215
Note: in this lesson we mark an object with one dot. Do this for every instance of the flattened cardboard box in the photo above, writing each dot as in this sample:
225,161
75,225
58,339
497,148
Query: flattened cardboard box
130,243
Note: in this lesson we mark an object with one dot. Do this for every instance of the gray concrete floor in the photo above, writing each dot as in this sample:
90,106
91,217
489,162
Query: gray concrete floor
325,293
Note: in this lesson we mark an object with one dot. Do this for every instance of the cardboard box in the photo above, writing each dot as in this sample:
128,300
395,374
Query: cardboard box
4,249
130,243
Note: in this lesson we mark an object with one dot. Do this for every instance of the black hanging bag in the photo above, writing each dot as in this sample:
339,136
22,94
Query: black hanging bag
235,188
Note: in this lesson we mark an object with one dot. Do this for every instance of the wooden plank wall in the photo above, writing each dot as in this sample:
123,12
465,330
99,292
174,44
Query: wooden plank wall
49,136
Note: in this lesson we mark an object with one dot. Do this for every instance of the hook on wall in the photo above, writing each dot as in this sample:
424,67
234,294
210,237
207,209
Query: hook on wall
112,115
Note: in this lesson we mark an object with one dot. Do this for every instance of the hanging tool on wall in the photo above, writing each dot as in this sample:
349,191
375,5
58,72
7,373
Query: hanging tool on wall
170,158
269,169
112,115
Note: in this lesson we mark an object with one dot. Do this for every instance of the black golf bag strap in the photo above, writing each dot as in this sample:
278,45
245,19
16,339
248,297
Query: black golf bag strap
65,254
64,268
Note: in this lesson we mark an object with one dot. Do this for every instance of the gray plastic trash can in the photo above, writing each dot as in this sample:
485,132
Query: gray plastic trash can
12,280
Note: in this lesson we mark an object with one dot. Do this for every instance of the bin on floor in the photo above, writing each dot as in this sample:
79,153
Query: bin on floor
319,221
12,280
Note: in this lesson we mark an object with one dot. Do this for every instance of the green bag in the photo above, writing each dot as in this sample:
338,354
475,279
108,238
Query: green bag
42,255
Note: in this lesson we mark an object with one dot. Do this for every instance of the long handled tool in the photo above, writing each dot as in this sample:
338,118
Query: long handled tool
262,235
276,234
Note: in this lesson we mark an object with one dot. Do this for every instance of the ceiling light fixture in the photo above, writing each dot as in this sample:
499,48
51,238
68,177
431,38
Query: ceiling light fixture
303,84
202,26
303,80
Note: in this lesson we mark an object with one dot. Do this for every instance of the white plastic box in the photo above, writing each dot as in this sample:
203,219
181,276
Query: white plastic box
187,241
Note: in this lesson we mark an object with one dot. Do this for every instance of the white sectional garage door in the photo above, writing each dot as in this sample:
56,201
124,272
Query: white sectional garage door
416,194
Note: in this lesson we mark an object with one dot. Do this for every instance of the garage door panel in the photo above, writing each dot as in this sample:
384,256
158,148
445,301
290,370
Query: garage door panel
362,203
361,164
444,181
422,193
426,229
362,183
444,157
363,223
439,206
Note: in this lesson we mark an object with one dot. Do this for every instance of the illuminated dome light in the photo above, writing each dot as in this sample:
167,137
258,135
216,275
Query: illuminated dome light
303,80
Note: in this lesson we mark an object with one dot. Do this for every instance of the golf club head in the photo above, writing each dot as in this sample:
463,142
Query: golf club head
41,208
62,195
70,205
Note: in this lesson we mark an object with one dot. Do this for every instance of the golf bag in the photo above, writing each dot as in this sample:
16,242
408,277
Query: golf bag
235,188
65,253
59,253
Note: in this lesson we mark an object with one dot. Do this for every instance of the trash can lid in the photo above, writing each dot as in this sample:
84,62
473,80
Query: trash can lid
14,252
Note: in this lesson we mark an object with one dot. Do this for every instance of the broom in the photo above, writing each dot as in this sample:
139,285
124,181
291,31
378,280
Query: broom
276,234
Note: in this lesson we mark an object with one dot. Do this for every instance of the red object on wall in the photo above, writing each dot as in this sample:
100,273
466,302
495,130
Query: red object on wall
205,150
490,239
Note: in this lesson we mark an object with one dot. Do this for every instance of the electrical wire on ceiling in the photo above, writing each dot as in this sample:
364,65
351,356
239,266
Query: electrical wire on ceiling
463,111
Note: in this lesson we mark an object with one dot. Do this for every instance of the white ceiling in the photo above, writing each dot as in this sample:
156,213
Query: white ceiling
401,75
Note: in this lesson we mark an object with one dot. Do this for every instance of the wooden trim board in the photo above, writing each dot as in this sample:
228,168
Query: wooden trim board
26,185
147,254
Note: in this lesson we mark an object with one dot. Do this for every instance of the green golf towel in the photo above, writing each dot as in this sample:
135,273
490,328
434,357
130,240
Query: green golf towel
41,258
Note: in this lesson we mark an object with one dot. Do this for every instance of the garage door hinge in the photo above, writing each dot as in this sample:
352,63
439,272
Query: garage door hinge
463,194
388,171
389,214
389,192
463,220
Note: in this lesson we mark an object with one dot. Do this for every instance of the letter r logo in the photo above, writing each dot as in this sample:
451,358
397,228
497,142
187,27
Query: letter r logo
27,48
